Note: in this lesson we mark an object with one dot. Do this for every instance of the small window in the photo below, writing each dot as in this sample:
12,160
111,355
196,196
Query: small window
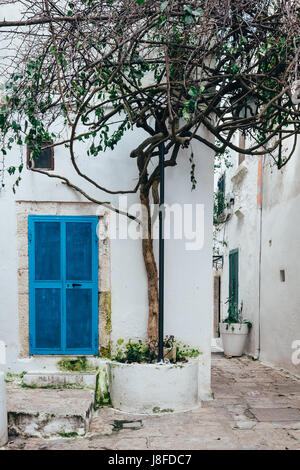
45,160
282,275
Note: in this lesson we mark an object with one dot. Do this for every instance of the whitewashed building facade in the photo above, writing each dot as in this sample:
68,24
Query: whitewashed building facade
122,305
261,227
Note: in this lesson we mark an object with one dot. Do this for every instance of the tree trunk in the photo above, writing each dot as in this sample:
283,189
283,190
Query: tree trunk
152,274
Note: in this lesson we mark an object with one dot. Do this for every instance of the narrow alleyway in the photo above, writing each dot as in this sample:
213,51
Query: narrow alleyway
254,407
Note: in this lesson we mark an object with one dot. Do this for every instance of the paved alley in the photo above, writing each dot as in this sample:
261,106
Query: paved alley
254,407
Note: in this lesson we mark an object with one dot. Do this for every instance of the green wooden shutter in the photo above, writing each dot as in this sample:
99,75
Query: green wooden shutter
234,278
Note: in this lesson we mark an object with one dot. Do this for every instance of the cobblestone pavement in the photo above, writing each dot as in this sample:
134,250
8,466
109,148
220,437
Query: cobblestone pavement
254,407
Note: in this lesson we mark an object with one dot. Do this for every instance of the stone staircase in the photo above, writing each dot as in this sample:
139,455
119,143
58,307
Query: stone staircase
51,404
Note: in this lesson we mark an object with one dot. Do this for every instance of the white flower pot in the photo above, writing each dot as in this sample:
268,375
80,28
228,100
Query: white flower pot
234,337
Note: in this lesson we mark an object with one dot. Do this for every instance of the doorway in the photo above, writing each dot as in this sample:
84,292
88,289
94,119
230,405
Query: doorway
63,285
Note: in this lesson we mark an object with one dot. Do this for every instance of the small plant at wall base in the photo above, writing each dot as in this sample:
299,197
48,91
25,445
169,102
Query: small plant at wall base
234,330
235,315
80,364
141,352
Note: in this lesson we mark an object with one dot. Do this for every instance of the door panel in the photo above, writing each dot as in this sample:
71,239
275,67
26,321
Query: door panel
47,251
79,251
48,317
79,318
63,285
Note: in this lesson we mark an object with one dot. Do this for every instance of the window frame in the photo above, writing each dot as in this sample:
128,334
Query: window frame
30,160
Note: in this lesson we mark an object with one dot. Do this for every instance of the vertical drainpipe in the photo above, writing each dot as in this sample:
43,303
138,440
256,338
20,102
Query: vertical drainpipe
219,304
260,207
161,253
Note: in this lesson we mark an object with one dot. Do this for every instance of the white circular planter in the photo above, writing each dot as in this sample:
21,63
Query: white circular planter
154,388
234,337
3,412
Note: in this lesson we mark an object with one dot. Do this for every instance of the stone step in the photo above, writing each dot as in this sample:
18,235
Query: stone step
60,379
48,412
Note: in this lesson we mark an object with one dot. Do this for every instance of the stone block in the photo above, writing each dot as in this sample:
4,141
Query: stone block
46,413
59,379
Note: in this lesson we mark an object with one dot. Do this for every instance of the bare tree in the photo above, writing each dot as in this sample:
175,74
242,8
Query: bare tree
167,67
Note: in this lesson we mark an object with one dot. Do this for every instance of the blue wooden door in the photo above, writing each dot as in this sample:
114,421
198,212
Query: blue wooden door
63,285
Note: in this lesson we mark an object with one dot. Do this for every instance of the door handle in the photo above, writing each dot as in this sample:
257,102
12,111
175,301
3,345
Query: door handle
76,285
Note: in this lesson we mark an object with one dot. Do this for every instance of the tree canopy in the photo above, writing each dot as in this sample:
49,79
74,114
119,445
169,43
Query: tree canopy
165,66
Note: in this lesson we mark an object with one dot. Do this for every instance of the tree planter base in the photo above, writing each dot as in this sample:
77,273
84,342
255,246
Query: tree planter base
154,388
234,337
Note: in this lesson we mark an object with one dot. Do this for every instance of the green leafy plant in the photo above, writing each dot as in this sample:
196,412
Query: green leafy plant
235,314
133,352
184,352
142,352
14,377
169,341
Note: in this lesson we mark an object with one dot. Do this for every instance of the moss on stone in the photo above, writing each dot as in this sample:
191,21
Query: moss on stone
14,377
156,409
68,434
105,351
106,295
81,364
102,395
58,387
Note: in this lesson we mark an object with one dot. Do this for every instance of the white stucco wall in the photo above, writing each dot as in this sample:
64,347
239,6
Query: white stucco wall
242,231
188,277
272,305
280,301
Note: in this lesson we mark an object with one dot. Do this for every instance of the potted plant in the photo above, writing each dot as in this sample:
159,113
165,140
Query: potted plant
234,331
140,384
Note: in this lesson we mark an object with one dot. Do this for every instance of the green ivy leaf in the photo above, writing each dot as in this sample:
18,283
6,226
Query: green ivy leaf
188,9
163,6
185,114
11,170
162,21
188,19
193,92
197,12
235,69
